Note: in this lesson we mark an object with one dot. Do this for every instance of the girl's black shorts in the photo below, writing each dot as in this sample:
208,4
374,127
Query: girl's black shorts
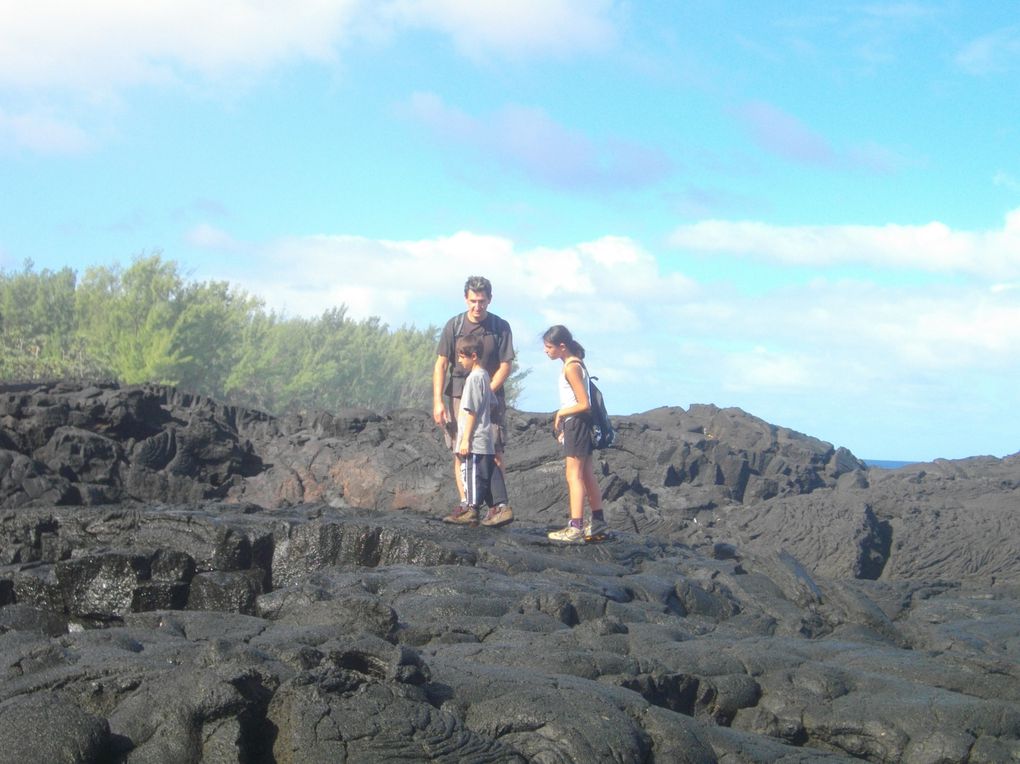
576,436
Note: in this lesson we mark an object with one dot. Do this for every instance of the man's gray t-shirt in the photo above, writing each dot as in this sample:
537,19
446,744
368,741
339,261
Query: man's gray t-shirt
478,399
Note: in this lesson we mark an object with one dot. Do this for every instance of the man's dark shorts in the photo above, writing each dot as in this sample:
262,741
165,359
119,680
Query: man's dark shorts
450,430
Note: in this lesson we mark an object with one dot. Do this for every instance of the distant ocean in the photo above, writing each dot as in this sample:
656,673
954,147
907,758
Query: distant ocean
885,464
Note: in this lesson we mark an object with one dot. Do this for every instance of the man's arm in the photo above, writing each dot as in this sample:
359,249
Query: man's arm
501,375
438,383
506,355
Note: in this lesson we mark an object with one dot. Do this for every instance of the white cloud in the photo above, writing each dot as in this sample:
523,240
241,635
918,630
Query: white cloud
301,275
1004,179
996,52
842,352
98,51
205,236
933,247
531,142
613,290
786,136
764,369
596,288
930,371
41,133
480,28
927,330
101,46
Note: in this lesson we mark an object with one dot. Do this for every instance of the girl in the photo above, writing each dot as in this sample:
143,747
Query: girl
572,426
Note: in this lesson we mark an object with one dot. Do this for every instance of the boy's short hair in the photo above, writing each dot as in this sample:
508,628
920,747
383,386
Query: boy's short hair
469,345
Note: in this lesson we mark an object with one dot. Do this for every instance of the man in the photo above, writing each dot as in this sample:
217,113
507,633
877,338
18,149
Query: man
448,383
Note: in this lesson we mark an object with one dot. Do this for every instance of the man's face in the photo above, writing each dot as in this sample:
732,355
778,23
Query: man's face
477,306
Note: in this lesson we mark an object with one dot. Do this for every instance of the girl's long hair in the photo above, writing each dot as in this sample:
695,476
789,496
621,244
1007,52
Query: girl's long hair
560,335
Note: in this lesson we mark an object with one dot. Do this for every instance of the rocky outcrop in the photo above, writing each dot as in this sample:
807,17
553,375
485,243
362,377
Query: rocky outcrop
182,581
103,444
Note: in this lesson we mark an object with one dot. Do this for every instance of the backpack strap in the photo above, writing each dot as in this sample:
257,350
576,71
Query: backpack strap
487,324
586,372
589,376
579,362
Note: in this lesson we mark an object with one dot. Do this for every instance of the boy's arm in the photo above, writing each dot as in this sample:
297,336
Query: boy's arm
470,419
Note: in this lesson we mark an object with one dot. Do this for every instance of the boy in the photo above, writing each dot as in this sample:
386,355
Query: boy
483,482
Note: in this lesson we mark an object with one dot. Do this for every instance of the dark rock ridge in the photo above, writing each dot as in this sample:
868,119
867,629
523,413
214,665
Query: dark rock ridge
184,581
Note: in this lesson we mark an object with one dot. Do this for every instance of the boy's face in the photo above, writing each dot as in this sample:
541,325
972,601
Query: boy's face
467,361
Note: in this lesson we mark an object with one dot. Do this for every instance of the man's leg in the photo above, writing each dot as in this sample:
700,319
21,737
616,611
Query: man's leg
497,485
499,511
499,439
499,433
450,436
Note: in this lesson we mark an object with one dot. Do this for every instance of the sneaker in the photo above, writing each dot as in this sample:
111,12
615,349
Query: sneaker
462,515
595,530
497,516
569,535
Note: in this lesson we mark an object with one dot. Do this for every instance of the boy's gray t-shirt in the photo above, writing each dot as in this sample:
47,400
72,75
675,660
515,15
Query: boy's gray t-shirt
477,398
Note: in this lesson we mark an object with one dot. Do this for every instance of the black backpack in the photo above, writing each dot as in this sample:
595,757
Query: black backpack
602,433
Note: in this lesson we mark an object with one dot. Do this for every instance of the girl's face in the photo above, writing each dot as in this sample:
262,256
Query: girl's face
555,352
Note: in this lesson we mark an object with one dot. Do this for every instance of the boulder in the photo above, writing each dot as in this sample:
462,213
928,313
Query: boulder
47,727
185,581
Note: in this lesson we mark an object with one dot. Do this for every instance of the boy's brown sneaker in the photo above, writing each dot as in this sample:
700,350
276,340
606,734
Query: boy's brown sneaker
497,516
462,515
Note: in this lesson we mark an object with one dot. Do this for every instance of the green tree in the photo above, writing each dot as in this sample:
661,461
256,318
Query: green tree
333,362
147,323
207,336
37,326
127,318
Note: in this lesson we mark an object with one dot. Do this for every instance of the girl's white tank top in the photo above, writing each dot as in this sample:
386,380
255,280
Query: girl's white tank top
567,397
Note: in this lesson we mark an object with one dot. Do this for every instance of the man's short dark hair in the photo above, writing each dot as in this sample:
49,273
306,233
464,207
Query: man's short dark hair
478,284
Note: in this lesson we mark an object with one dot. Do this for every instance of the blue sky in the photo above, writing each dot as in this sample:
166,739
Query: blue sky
810,210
